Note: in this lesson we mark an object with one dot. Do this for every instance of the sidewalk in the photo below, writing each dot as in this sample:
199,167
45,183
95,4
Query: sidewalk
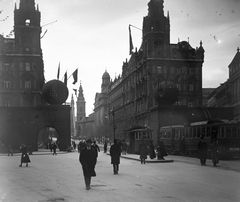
148,160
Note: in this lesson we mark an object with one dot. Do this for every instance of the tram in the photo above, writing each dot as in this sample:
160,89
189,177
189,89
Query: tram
182,139
134,138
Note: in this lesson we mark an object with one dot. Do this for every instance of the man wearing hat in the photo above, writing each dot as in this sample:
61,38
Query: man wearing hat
88,159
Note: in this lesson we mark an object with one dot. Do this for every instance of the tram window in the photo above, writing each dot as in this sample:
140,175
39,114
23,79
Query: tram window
187,132
190,132
194,132
198,132
228,131
208,131
234,131
144,135
149,136
222,132
176,134
169,134
203,131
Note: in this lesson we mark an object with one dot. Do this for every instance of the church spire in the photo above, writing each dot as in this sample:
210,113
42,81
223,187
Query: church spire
27,4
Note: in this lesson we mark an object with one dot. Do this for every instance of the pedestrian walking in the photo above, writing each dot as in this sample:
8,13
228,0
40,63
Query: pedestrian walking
96,147
54,148
87,158
161,151
143,151
10,150
24,157
152,153
214,152
105,147
115,153
202,151
124,147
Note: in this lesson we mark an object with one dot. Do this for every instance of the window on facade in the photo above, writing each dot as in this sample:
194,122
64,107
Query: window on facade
190,87
27,84
190,71
27,22
6,84
7,102
178,86
190,104
6,67
27,67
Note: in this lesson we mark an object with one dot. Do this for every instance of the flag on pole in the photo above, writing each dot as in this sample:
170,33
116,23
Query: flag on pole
65,78
130,41
58,71
75,76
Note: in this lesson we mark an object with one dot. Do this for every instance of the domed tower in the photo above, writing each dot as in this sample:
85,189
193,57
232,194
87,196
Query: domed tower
81,113
105,81
156,30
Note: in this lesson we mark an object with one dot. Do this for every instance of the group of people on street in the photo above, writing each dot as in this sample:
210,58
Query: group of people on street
203,151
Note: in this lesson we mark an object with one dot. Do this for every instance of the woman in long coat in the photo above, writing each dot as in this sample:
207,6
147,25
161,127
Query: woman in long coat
143,151
24,158
152,152
115,153
88,159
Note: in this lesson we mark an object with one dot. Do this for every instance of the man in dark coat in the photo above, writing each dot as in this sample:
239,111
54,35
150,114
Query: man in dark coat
202,151
88,158
143,151
115,153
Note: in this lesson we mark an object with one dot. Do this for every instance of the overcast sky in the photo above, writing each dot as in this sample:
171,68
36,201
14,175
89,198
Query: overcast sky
92,35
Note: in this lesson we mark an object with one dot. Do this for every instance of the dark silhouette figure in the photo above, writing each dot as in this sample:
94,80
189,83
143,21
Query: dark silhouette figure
152,153
202,151
88,158
143,151
161,152
214,152
105,147
54,148
115,153
10,150
96,147
25,157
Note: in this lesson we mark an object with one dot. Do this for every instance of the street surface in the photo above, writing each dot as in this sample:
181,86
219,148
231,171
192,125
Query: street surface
59,178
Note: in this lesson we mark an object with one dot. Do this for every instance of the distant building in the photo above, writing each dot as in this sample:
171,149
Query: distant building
21,61
228,93
205,94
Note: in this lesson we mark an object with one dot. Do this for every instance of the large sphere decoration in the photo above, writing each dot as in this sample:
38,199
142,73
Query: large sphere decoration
55,92
166,93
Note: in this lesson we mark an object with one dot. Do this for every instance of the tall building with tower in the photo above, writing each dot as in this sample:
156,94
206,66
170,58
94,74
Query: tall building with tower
133,107
21,60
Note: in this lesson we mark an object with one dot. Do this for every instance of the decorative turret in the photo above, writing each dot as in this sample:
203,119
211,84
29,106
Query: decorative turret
105,81
27,27
156,31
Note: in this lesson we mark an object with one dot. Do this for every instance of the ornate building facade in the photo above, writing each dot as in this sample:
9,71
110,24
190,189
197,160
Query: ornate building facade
132,95
21,61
